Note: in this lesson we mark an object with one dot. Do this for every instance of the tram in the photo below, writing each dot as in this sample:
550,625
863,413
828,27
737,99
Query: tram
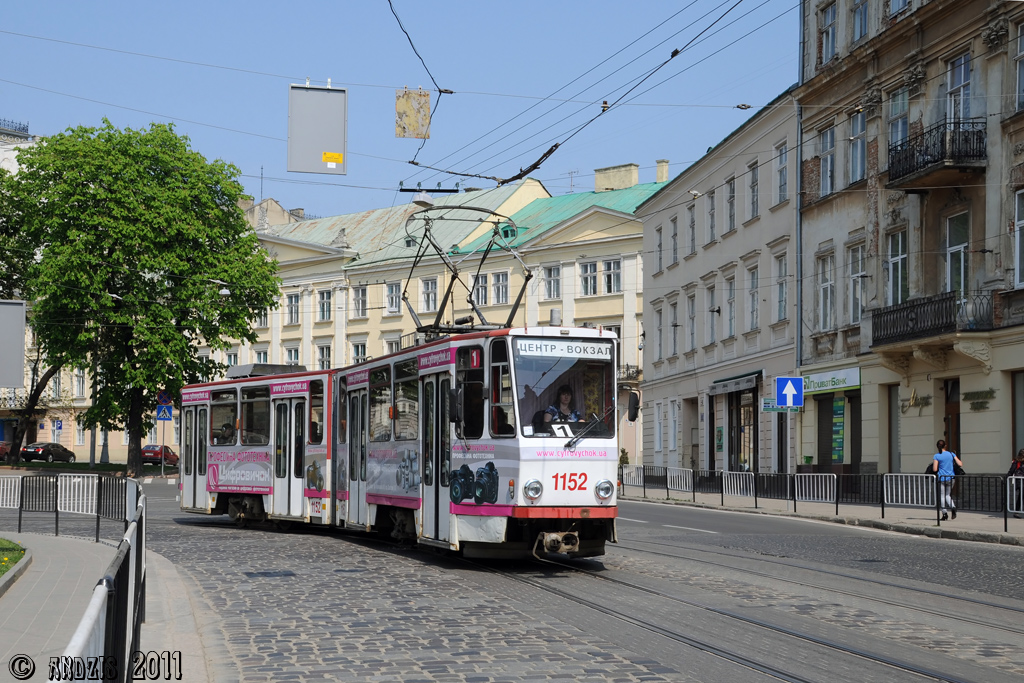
464,443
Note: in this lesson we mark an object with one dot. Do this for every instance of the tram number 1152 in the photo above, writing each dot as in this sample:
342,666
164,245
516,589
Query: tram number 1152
570,482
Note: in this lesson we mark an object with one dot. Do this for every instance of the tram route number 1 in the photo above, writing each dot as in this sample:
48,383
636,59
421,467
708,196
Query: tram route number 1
570,482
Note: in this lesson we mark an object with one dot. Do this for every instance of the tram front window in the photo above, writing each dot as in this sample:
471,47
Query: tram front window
564,385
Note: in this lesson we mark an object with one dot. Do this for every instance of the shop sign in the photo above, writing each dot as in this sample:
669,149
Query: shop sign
836,380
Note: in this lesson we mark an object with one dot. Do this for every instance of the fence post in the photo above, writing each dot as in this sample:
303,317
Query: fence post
721,486
643,478
667,495
881,492
755,489
938,503
693,483
99,505
793,476
838,487
21,501
56,504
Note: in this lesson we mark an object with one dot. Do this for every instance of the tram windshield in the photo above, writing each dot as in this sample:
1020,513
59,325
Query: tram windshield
565,385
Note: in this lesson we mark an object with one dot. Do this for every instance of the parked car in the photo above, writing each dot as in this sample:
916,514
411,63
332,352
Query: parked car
5,448
46,450
151,455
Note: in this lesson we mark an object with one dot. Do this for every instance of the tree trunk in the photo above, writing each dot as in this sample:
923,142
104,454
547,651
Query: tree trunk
134,428
25,414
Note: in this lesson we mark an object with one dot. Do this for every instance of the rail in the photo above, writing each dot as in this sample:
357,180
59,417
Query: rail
972,492
92,495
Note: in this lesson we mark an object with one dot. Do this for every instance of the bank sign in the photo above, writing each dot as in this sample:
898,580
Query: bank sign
836,380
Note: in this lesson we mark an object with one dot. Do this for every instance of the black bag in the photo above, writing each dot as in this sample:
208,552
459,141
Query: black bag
957,469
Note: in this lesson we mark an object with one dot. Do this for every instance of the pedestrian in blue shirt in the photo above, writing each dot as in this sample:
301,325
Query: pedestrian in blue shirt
942,466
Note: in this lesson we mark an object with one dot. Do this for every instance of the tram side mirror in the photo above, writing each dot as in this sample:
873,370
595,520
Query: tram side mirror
455,401
634,406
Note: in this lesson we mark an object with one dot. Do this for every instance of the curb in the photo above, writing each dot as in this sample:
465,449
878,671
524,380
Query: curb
930,532
8,579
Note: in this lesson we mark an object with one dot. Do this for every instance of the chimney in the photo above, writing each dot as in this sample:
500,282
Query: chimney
616,177
245,203
298,213
662,170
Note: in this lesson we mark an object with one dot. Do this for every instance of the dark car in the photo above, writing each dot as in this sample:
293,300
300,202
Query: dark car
48,451
151,455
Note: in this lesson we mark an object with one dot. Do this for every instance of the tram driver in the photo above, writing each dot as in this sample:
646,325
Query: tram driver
563,410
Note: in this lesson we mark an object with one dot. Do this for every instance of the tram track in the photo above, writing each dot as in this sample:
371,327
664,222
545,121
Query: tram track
707,646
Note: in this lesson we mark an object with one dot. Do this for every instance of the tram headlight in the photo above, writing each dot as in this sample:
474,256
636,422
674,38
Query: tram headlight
533,489
604,489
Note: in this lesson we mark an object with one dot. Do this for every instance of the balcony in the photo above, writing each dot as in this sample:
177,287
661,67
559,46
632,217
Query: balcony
932,316
938,156
630,373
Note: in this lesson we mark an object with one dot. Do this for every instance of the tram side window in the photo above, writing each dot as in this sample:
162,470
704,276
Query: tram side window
316,411
256,416
380,405
341,431
188,444
407,396
503,417
469,374
223,417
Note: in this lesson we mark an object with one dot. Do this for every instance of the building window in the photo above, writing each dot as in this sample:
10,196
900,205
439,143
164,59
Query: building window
827,32
358,352
359,302
781,173
394,290
1019,238
675,239
826,292
500,284
392,346
176,439
553,282
752,279
658,248
958,230
858,147
730,204
897,280
673,425
232,359
261,357
674,310
692,221
898,107
79,383
323,357
781,288
1019,60
711,216
292,309
898,5
713,310
480,290
263,319
612,276
857,274
827,145
291,356
755,209
658,427
691,321
79,434
324,307
588,278
730,307
860,19
958,97
429,289
658,325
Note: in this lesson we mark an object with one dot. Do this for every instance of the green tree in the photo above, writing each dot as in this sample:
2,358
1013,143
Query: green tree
144,255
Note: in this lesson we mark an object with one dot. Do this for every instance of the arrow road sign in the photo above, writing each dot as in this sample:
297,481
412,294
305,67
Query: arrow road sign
789,391
164,413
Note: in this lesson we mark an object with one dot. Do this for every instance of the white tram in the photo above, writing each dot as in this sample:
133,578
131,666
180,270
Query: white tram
458,443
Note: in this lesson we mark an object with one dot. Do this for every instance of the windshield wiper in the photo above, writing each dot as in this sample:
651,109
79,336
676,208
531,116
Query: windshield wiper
571,443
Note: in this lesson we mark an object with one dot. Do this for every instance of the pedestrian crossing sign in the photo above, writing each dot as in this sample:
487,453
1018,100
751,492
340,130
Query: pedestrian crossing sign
164,413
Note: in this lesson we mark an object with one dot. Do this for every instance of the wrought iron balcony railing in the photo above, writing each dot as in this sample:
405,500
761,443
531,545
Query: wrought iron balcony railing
950,143
630,372
932,316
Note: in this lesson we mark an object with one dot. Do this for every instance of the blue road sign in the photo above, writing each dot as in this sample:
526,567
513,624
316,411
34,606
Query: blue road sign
164,413
163,398
789,391
58,425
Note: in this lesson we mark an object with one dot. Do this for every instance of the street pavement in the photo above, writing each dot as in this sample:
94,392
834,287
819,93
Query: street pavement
43,599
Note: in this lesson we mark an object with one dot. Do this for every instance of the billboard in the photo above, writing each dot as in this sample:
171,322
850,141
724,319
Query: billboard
317,129
12,344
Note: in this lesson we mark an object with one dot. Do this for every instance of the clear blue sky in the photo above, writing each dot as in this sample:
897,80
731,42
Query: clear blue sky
220,71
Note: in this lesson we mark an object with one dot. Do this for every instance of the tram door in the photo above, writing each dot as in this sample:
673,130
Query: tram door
193,478
340,452
434,435
289,442
358,512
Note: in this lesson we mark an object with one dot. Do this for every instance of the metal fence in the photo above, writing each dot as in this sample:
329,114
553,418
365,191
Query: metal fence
111,625
93,495
974,492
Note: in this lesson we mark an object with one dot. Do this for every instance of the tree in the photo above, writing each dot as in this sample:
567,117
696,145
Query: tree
144,255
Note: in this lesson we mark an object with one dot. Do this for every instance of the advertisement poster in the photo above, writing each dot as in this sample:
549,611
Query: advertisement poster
838,428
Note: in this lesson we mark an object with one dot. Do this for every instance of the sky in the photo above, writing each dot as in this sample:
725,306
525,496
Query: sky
523,76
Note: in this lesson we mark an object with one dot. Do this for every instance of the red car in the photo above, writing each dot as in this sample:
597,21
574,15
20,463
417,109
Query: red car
151,455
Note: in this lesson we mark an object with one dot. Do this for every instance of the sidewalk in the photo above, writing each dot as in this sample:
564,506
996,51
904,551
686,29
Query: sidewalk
980,527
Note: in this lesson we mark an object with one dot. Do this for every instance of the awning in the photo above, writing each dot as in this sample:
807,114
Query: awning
747,380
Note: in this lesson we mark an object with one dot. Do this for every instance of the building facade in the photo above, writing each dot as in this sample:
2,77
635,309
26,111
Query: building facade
912,286
719,302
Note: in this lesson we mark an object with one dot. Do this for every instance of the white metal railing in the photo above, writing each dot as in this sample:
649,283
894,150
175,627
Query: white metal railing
88,638
738,483
909,490
680,479
1015,495
77,493
816,488
633,476
10,491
